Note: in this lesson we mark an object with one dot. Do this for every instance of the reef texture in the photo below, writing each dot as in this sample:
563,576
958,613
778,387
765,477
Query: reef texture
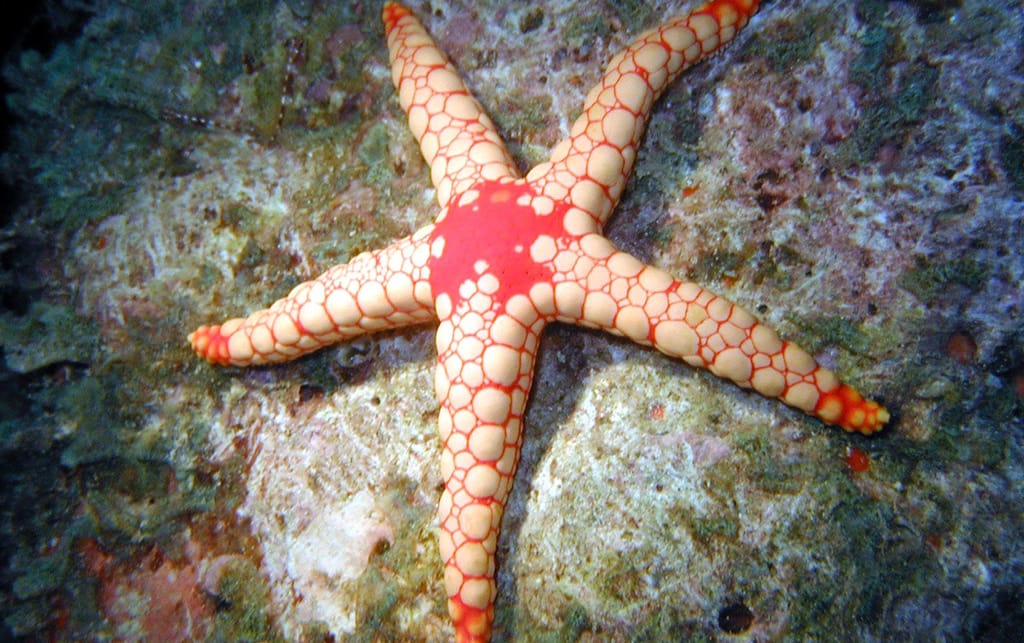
850,173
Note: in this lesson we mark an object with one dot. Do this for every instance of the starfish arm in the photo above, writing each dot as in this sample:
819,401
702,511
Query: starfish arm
589,169
374,291
458,140
616,292
483,378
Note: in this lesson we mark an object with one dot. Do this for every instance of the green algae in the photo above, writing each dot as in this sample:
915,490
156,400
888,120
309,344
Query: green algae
582,28
38,575
531,20
1011,156
263,96
871,567
87,177
890,118
117,96
634,14
670,623
166,63
767,469
139,501
778,265
572,622
821,331
243,606
46,335
39,549
519,117
50,515
970,406
792,43
399,573
374,153
669,154
92,408
970,420
931,279
717,264
31,608
886,116
575,621
706,530
180,33
241,217
124,504
860,569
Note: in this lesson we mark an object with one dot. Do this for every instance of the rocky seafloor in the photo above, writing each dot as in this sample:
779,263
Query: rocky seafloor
852,172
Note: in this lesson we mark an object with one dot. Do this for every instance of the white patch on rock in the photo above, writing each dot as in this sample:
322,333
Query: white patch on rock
335,547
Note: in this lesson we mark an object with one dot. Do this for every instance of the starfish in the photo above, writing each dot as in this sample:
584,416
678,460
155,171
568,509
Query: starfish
506,256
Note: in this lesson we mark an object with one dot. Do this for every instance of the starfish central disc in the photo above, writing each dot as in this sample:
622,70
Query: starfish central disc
491,238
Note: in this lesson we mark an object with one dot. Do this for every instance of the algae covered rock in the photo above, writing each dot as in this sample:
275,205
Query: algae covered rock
48,334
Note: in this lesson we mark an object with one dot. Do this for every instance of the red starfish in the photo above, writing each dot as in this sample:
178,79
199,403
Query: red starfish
506,256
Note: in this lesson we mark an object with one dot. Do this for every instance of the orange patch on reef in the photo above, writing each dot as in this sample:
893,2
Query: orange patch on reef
657,412
156,596
1017,382
962,347
858,461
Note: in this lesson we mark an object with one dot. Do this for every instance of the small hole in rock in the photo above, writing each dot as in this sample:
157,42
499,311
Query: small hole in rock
735,619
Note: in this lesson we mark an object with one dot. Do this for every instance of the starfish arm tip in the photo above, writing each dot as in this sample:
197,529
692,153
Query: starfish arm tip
848,409
210,343
472,625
